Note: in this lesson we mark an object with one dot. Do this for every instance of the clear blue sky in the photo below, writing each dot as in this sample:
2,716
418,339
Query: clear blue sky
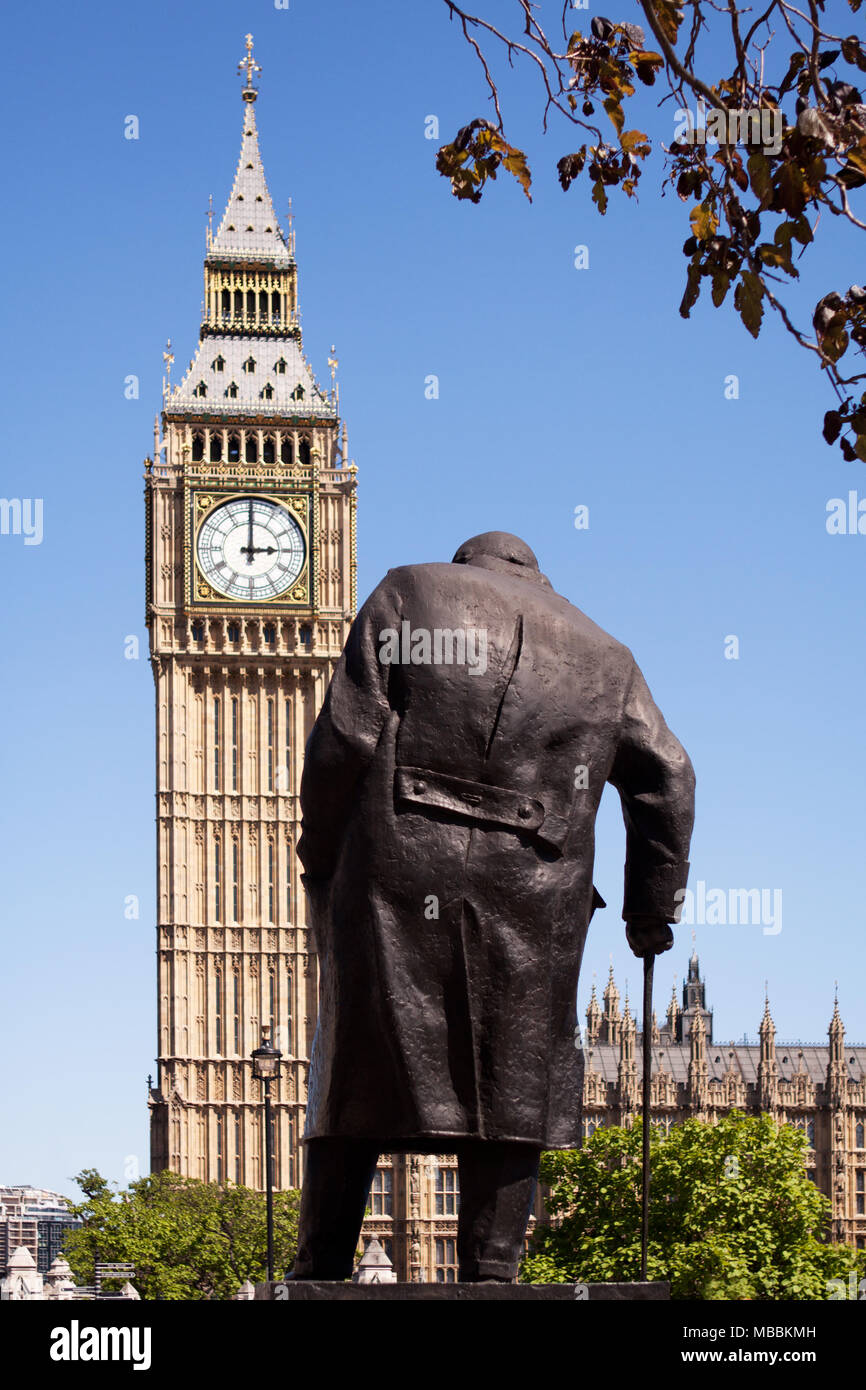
558,388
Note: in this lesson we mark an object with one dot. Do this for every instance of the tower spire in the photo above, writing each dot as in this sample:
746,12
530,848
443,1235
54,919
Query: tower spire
250,356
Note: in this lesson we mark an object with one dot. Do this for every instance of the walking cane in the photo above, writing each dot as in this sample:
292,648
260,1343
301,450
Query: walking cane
648,964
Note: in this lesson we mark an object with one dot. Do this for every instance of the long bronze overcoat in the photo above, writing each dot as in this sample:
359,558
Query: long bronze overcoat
448,841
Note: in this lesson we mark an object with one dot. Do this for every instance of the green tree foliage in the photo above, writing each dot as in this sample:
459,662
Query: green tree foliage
775,142
187,1239
732,1213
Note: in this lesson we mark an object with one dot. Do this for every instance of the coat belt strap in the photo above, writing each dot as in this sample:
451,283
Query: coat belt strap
479,801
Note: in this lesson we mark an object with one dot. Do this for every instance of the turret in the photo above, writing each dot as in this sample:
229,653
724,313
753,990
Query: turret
768,1070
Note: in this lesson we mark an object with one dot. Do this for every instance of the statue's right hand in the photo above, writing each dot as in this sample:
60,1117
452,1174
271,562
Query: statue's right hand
649,936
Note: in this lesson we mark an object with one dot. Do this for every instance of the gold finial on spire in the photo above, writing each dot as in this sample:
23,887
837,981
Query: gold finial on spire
249,63
333,363
167,359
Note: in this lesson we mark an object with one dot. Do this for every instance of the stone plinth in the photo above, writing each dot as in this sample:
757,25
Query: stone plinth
313,1291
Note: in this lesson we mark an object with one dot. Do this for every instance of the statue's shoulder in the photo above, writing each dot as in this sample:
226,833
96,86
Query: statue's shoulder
591,634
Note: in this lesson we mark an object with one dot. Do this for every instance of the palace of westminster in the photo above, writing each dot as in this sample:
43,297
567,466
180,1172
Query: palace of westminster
251,564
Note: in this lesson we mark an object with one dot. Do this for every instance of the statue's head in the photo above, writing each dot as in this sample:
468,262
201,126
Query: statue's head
499,550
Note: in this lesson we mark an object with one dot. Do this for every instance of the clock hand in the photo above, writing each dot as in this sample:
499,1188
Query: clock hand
249,546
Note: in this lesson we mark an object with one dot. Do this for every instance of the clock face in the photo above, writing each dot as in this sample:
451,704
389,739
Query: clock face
250,549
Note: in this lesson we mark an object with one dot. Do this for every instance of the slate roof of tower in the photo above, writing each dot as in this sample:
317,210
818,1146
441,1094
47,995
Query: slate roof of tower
249,229
266,353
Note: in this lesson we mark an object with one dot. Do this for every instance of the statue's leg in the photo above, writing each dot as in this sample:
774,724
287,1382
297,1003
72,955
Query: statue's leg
337,1178
497,1187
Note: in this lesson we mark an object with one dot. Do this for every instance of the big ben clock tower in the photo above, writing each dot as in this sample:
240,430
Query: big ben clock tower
250,503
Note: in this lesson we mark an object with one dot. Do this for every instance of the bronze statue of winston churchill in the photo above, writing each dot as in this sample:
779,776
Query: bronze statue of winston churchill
449,796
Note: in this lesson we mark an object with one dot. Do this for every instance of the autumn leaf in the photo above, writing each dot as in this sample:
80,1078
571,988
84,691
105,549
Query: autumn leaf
761,178
635,142
721,285
515,162
832,426
614,110
646,65
670,17
747,301
692,290
570,166
704,221
790,189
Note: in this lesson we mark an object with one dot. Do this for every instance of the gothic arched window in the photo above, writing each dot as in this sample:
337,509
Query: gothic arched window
305,452
236,890
287,452
267,391
231,390
234,743
268,448
218,1008
234,452
200,390
275,307
251,449
280,366
218,878
860,1136
381,1192
250,364
217,742
446,1191
197,447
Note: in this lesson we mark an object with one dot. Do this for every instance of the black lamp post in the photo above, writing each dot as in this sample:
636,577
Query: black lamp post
266,1066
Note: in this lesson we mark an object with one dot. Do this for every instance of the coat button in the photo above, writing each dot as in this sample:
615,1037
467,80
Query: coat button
525,812
419,787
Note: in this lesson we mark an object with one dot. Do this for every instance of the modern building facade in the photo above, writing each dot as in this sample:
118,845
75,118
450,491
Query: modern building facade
36,1220
250,553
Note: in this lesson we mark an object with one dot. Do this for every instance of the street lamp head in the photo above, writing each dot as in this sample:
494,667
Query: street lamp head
266,1058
